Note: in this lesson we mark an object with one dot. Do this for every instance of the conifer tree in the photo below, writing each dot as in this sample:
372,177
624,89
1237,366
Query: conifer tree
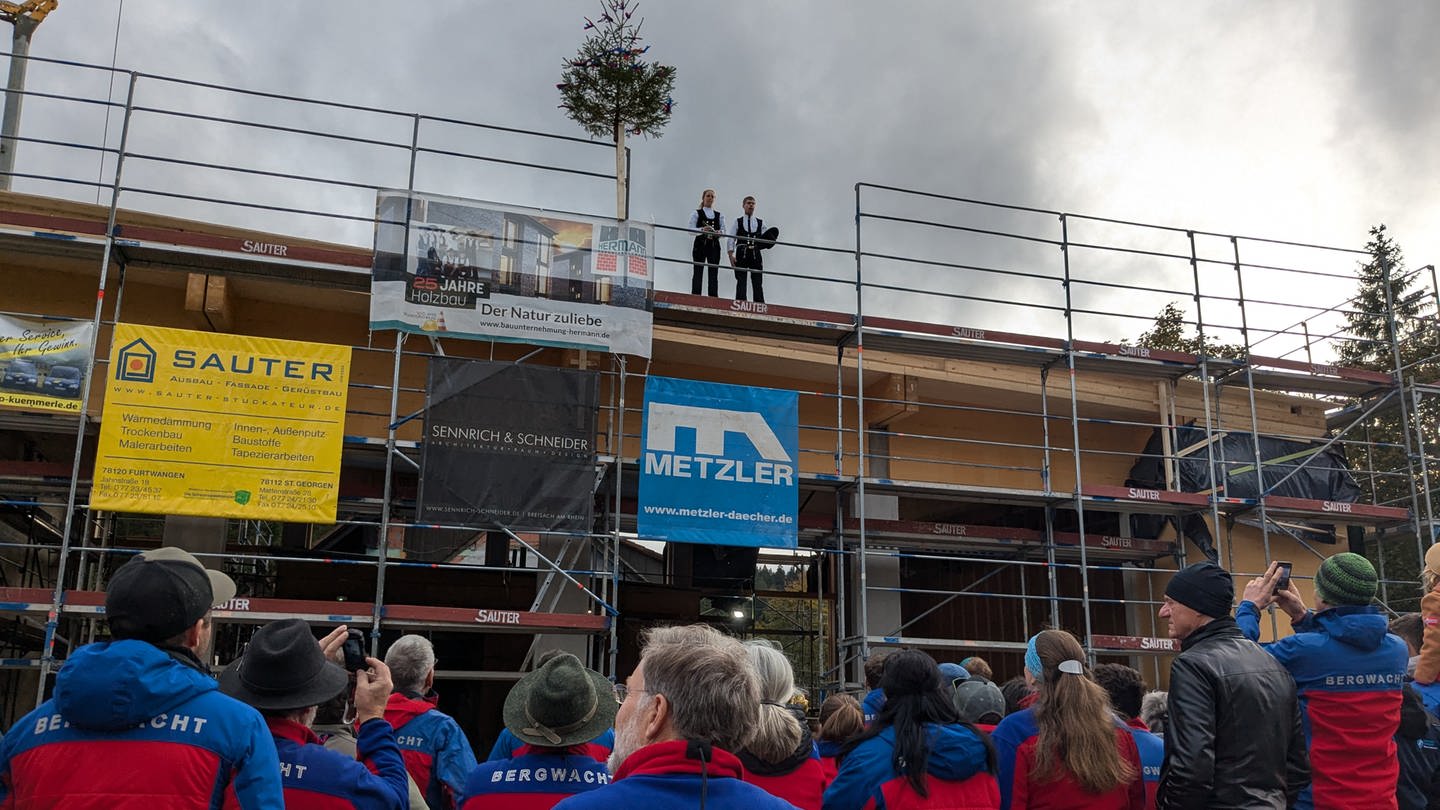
1168,332
1369,319
1410,313
610,90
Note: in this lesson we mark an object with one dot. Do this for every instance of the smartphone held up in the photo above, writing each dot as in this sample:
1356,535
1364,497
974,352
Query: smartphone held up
354,650
1283,582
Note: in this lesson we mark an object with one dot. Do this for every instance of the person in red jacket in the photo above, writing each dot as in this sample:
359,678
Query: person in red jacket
781,757
437,753
1126,688
555,711
1068,751
915,754
840,720
1348,672
284,674
691,700
136,722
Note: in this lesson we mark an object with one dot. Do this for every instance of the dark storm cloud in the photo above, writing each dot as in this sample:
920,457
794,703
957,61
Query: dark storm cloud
1261,118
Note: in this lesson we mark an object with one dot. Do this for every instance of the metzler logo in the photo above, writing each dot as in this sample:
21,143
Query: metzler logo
711,426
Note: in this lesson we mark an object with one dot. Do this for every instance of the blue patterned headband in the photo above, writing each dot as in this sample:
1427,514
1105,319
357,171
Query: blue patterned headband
1032,659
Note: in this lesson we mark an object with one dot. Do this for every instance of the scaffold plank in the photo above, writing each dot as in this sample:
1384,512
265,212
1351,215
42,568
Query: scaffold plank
1142,644
1153,500
690,310
964,533
255,610
1340,511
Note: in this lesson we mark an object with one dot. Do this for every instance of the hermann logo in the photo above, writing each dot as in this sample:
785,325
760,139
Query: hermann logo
242,496
136,362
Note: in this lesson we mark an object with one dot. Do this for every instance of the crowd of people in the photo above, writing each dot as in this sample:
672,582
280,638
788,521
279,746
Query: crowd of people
1338,714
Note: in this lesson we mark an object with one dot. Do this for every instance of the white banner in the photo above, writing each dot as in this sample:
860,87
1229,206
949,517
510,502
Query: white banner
485,271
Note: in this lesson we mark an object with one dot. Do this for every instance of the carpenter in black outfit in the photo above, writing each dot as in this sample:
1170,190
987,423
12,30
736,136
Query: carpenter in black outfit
745,253
706,253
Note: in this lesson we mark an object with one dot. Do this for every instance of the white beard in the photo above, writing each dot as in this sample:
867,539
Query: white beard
627,742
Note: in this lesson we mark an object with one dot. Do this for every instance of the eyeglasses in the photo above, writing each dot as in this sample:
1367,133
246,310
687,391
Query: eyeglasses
622,691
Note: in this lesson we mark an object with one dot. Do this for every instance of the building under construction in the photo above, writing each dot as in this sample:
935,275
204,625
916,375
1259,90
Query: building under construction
986,447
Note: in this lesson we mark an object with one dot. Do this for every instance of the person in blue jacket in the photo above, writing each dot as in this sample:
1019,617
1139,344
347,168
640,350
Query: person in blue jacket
1410,627
508,746
138,722
916,753
554,711
875,698
436,750
285,675
692,701
1348,672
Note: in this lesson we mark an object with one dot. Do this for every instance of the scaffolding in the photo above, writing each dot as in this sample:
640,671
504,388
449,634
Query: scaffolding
971,399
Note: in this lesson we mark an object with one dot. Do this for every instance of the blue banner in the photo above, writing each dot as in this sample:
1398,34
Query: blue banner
719,464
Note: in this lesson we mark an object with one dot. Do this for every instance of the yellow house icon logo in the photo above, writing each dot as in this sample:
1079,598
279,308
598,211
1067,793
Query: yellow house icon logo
136,362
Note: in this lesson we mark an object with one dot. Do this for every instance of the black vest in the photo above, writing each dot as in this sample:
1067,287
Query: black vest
701,221
745,240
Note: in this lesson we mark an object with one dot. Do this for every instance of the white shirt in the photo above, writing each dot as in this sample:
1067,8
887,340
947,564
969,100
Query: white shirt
710,213
750,224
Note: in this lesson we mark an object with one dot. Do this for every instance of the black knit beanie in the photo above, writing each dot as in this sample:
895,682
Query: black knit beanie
1205,588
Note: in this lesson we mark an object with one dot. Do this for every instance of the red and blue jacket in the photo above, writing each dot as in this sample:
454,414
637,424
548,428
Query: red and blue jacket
829,751
1015,740
872,703
508,746
671,774
533,781
1152,757
955,775
436,752
1429,695
1348,673
134,726
317,778
799,778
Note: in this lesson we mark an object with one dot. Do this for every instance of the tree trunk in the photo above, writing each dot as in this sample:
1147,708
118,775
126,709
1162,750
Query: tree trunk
622,180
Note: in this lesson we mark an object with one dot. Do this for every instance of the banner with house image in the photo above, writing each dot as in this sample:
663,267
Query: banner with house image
44,363
484,271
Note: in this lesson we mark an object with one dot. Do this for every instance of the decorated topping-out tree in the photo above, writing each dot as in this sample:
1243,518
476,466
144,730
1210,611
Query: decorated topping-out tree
610,90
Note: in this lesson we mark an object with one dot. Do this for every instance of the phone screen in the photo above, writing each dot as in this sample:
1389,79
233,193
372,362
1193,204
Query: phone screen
1283,583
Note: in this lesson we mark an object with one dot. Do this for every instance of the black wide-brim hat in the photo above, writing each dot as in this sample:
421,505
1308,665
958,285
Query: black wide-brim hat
768,237
283,669
562,703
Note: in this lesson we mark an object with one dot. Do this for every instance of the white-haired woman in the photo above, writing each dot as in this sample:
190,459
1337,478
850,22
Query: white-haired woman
781,758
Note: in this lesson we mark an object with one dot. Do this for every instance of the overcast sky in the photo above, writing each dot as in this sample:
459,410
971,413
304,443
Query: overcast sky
1296,121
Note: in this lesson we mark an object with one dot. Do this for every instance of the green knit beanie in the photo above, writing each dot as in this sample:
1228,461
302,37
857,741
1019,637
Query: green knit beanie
1346,579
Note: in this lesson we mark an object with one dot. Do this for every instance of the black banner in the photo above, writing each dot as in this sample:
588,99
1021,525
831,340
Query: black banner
509,445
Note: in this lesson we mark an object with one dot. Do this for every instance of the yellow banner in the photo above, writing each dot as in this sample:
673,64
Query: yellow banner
197,423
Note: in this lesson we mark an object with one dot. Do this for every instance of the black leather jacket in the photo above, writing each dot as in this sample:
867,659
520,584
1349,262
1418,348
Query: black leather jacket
1234,739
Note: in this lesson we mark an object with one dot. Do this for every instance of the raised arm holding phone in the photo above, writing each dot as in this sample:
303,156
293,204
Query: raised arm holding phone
1348,671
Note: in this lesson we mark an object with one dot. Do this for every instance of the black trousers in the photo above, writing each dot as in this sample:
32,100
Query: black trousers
706,255
748,264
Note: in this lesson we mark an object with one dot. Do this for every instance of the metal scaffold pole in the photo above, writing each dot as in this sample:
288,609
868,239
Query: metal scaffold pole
1394,334
614,594
383,546
1075,434
1254,416
1051,575
861,443
52,619
1217,487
